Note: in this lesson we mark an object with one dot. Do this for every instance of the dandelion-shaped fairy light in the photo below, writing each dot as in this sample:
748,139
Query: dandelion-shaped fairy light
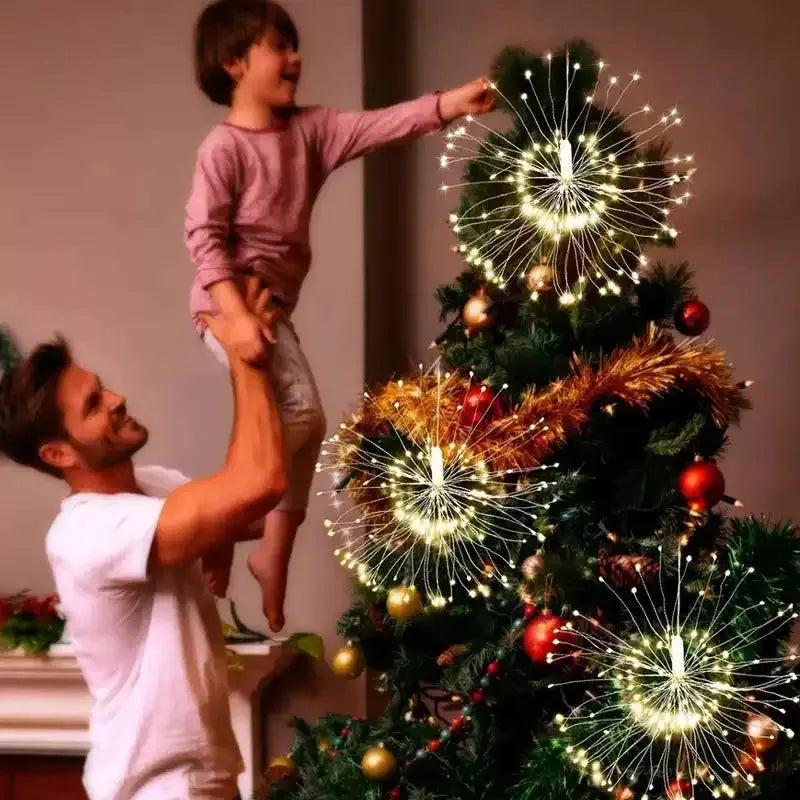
668,704
570,186
429,509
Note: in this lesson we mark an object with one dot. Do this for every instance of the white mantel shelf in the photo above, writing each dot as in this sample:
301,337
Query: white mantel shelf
45,705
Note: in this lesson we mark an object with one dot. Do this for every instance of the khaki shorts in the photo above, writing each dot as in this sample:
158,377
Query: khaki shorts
300,408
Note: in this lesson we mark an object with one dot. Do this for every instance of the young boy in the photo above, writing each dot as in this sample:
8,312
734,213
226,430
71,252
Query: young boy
257,176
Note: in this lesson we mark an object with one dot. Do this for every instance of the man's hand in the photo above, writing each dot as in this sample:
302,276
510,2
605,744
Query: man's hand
217,565
475,97
248,331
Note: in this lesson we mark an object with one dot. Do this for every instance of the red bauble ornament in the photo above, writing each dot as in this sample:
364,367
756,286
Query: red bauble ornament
477,696
680,790
492,668
692,317
480,404
750,761
396,793
702,485
457,725
537,640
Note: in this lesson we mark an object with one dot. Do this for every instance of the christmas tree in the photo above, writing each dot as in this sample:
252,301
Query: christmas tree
548,583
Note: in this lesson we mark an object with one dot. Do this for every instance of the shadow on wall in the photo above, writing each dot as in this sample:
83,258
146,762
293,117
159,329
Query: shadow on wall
389,189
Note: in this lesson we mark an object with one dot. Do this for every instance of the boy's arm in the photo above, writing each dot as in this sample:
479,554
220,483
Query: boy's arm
209,213
346,135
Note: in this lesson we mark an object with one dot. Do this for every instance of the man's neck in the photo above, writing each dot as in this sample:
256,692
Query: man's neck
117,479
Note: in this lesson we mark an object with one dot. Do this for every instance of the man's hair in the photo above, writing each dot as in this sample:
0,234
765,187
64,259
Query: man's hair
29,412
225,31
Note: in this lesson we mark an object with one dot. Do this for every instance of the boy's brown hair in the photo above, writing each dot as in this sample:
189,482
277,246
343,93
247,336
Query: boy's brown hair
29,412
225,31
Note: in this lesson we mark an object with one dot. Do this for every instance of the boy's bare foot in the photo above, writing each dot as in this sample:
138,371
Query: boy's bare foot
271,577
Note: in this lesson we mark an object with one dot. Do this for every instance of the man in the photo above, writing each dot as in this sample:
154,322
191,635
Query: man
125,552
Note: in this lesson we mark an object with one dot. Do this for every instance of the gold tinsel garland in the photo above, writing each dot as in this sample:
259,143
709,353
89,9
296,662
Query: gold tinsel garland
637,375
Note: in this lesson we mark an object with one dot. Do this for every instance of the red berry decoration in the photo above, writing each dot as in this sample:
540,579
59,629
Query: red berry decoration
702,485
434,745
529,610
493,668
457,725
537,640
680,790
32,605
692,317
480,404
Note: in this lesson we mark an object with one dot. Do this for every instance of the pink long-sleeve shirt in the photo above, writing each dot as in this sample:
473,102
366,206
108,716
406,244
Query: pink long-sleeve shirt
253,191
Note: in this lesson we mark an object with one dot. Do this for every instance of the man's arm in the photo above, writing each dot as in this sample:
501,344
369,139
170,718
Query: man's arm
205,513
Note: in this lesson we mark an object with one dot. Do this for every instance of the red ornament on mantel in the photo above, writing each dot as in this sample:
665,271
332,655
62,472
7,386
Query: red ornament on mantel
692,317
537,640
480,404
702,485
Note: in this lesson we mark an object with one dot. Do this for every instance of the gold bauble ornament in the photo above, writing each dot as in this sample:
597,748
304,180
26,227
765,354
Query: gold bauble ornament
539,278
476,312
348,662
378,763
324,745
283,770
403,603
763,732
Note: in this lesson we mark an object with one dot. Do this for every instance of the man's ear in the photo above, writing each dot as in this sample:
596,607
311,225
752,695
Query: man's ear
58,454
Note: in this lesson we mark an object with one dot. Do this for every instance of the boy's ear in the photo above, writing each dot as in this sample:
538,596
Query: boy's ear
235,69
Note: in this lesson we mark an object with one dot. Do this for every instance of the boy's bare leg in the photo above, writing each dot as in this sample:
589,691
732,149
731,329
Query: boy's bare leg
269,565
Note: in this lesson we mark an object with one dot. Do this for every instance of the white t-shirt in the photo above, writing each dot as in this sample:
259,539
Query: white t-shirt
150,649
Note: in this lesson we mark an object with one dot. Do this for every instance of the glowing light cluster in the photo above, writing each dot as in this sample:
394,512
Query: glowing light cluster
578,192
428,506
671,701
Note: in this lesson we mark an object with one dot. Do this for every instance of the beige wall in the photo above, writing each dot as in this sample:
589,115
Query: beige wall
731,68
100,124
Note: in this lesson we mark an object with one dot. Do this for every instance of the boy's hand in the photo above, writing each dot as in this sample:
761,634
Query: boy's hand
475,97
247,332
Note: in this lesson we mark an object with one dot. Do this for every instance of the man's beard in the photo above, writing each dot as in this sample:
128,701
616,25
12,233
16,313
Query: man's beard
102,455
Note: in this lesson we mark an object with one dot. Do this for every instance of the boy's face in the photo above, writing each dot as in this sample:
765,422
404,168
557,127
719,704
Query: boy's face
272,70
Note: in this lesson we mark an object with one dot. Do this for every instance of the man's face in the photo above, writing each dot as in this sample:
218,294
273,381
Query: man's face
101,433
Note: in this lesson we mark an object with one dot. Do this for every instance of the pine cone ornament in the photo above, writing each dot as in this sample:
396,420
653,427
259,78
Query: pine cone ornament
449,656
626,571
